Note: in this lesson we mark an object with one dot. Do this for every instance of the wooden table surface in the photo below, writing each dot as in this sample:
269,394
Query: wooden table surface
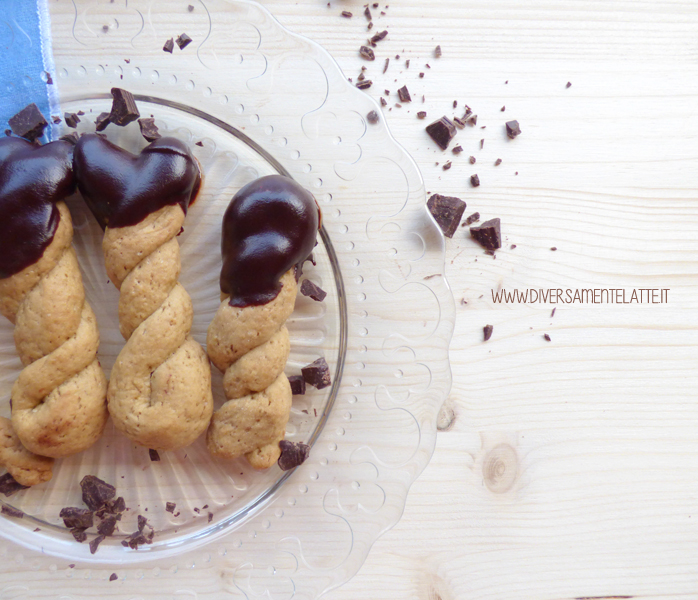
569,467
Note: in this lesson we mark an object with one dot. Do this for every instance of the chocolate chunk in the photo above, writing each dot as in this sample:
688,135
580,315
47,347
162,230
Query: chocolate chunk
367,53
497,162
457,150
183,41
547,337
80,113
107,525
372,117
447,212
379,37
503,108
308,288
442,132
347,14
437,52
407,64
474,218
123,108
73,517
154,455
11,511
553,249
447,165
364,85
9,486
367,12
488,235
459,122
169,46
113,577
513,129
472,160
210,517
102,121
297,385
148,129
71,120
317,374
422,114
190,8
170,507
134,540
94,544
474,181
105,28
292,454
421,75
482,144
96,492
472,120
28,123
404,94
383,102
487,330
385,66
569,84
56,119
117,506
79,534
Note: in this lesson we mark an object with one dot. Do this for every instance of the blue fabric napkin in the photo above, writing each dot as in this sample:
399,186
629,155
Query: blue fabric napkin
26,60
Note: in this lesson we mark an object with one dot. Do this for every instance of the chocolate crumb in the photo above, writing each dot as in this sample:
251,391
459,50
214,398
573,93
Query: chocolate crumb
472,160
113,577
437,52
370,25
96,492
293,454
488,235
458,149
404,94
487,331
199,144
447,165
107,525
9,486
482,144
76,518
123,109
367,12
474,218
170,507
372,117
442,132
79,534
569,84
407,64
552,314
447,212
421,75
367,53
308,288
503,109
513,129
380,37
459,122
364,85
183,41
383,101
497,162
347,14
514,246
11,511
94,544
547,337
102,121
455,103
317,374
197,510
210,517
474,181
385,66
117,506
422,114
190,8
28,123
149,130
553,249
472,121
168,46
105,28
56,119
297,385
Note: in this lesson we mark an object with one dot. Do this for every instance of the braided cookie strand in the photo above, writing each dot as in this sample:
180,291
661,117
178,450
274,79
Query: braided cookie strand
26,468
58,400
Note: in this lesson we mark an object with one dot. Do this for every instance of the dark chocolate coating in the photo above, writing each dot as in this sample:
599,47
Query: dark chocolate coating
122,189
32,179
270,226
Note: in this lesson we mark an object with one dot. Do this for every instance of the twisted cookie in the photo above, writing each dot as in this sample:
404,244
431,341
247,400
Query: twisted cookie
58,401
269,229
26,468
160,387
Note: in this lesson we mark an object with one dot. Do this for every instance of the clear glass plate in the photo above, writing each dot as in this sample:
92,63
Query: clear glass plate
259,99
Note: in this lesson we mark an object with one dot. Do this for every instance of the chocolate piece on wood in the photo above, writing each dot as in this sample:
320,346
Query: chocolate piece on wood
447,212
487,331
442,132
488,235
513,129
308,288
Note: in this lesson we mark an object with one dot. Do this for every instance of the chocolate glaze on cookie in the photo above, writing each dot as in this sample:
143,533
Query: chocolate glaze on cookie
32,179
122,188
270,226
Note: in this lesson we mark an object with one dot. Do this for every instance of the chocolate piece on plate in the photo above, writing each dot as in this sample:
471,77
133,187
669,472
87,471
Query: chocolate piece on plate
94,543
404,94
442,132
74,517
308,288
169,46
458,149
513,129
28,123
96,492
293,454
447,212
297,385
473,160
487,331
367,53
317,374
149,129
372,117
102,121
488,235
107,525
123,108
11,511
183,41
380,36
79,534
170,507
71,120
9,486
154,455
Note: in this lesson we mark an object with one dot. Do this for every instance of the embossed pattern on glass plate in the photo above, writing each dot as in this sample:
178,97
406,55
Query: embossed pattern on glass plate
289,97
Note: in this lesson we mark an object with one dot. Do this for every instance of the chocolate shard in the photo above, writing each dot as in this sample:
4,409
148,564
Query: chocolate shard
76,518
116,506
142,523
547,337
404,94
94,543
459,122
422,114
383,101
367,12
71,120
364,85
11,511
372,117
474,181
317,374
96,492
488,235
170,507
183,41
293,454
102,121
380,36
79,534
447,212
113,577
437,52
154,455
107,525
9,486
123,109
28,123
487,332
297,385
569,84
149,129
346,14
308,288
168,46
497,162
457,150
473,160
367,53
513,129
474,218
442,132
385,66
